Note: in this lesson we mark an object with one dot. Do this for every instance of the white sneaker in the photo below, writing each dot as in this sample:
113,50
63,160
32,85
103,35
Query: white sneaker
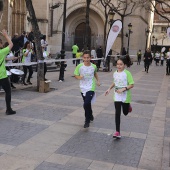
60,81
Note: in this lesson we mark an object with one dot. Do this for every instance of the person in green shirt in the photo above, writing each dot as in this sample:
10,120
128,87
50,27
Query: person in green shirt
78,55
4,81
75,48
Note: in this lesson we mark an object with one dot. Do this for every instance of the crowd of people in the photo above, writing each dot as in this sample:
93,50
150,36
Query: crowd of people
95,54
18,49
158,57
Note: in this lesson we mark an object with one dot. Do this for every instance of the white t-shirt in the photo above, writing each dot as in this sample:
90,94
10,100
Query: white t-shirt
157,55
26,59
9,56
88,82
93,54
45,55
121,80
168,54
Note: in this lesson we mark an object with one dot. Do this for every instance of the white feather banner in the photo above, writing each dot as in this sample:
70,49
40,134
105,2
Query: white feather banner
113,33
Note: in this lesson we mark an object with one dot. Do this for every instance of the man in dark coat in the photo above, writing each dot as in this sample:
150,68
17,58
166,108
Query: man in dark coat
99,55
147,59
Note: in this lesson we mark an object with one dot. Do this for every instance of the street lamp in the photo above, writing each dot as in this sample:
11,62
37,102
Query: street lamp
61,75
130,32
111,15
154,43
163,38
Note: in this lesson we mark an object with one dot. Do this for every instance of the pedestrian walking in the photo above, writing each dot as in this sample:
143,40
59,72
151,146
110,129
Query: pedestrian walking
4,81
139,55
162,58
46,56
122,83
94,56
75,48
147,59
99,55
168,63
86,72
157,58
78,55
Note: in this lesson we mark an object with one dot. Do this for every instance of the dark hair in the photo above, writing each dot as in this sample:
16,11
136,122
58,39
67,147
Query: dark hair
25,45
126,60
87,52
6,44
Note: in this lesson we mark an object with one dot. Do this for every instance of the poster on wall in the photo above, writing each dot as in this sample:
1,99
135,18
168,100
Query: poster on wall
113,33
168,32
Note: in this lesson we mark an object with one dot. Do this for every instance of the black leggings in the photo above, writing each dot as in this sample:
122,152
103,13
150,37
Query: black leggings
118,106
25,73
7,88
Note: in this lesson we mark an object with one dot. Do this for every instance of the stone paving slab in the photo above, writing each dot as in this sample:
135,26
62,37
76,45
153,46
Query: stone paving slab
102,147
44,112
129,124
15,132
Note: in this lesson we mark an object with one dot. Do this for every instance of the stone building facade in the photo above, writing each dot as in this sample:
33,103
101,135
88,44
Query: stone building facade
14,16
51,21
160,29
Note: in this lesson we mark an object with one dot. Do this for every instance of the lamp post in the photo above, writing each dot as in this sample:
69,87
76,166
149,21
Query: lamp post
111,15
163,38
61,75
130,32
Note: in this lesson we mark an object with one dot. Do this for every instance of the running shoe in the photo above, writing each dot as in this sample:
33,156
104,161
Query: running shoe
86,125
117,135
92,118
130,108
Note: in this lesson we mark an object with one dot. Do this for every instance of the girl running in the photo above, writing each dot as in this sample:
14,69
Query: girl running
122,83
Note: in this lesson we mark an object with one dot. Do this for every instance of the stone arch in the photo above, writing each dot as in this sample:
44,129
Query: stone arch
78,6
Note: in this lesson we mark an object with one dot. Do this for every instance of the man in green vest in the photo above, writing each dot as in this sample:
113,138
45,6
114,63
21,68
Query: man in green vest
4,81
75,48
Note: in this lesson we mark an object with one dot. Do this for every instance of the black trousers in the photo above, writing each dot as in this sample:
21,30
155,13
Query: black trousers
125,107
7,88
99,63
77,62
87,105
74,56
45,69
167,69
25,73
147,66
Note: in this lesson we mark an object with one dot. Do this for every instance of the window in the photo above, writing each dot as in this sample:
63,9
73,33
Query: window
163,29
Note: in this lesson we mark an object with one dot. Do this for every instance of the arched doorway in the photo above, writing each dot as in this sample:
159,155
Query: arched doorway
80,35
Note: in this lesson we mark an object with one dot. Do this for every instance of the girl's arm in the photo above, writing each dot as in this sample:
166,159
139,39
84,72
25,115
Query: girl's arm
125,88
79,77
97,78
108,90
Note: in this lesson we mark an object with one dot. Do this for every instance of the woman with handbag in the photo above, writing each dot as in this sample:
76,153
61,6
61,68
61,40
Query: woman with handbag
122,83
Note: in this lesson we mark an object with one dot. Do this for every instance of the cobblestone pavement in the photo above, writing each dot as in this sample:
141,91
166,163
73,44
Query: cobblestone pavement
47,132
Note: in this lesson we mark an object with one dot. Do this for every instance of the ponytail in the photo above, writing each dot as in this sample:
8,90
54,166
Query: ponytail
126,60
